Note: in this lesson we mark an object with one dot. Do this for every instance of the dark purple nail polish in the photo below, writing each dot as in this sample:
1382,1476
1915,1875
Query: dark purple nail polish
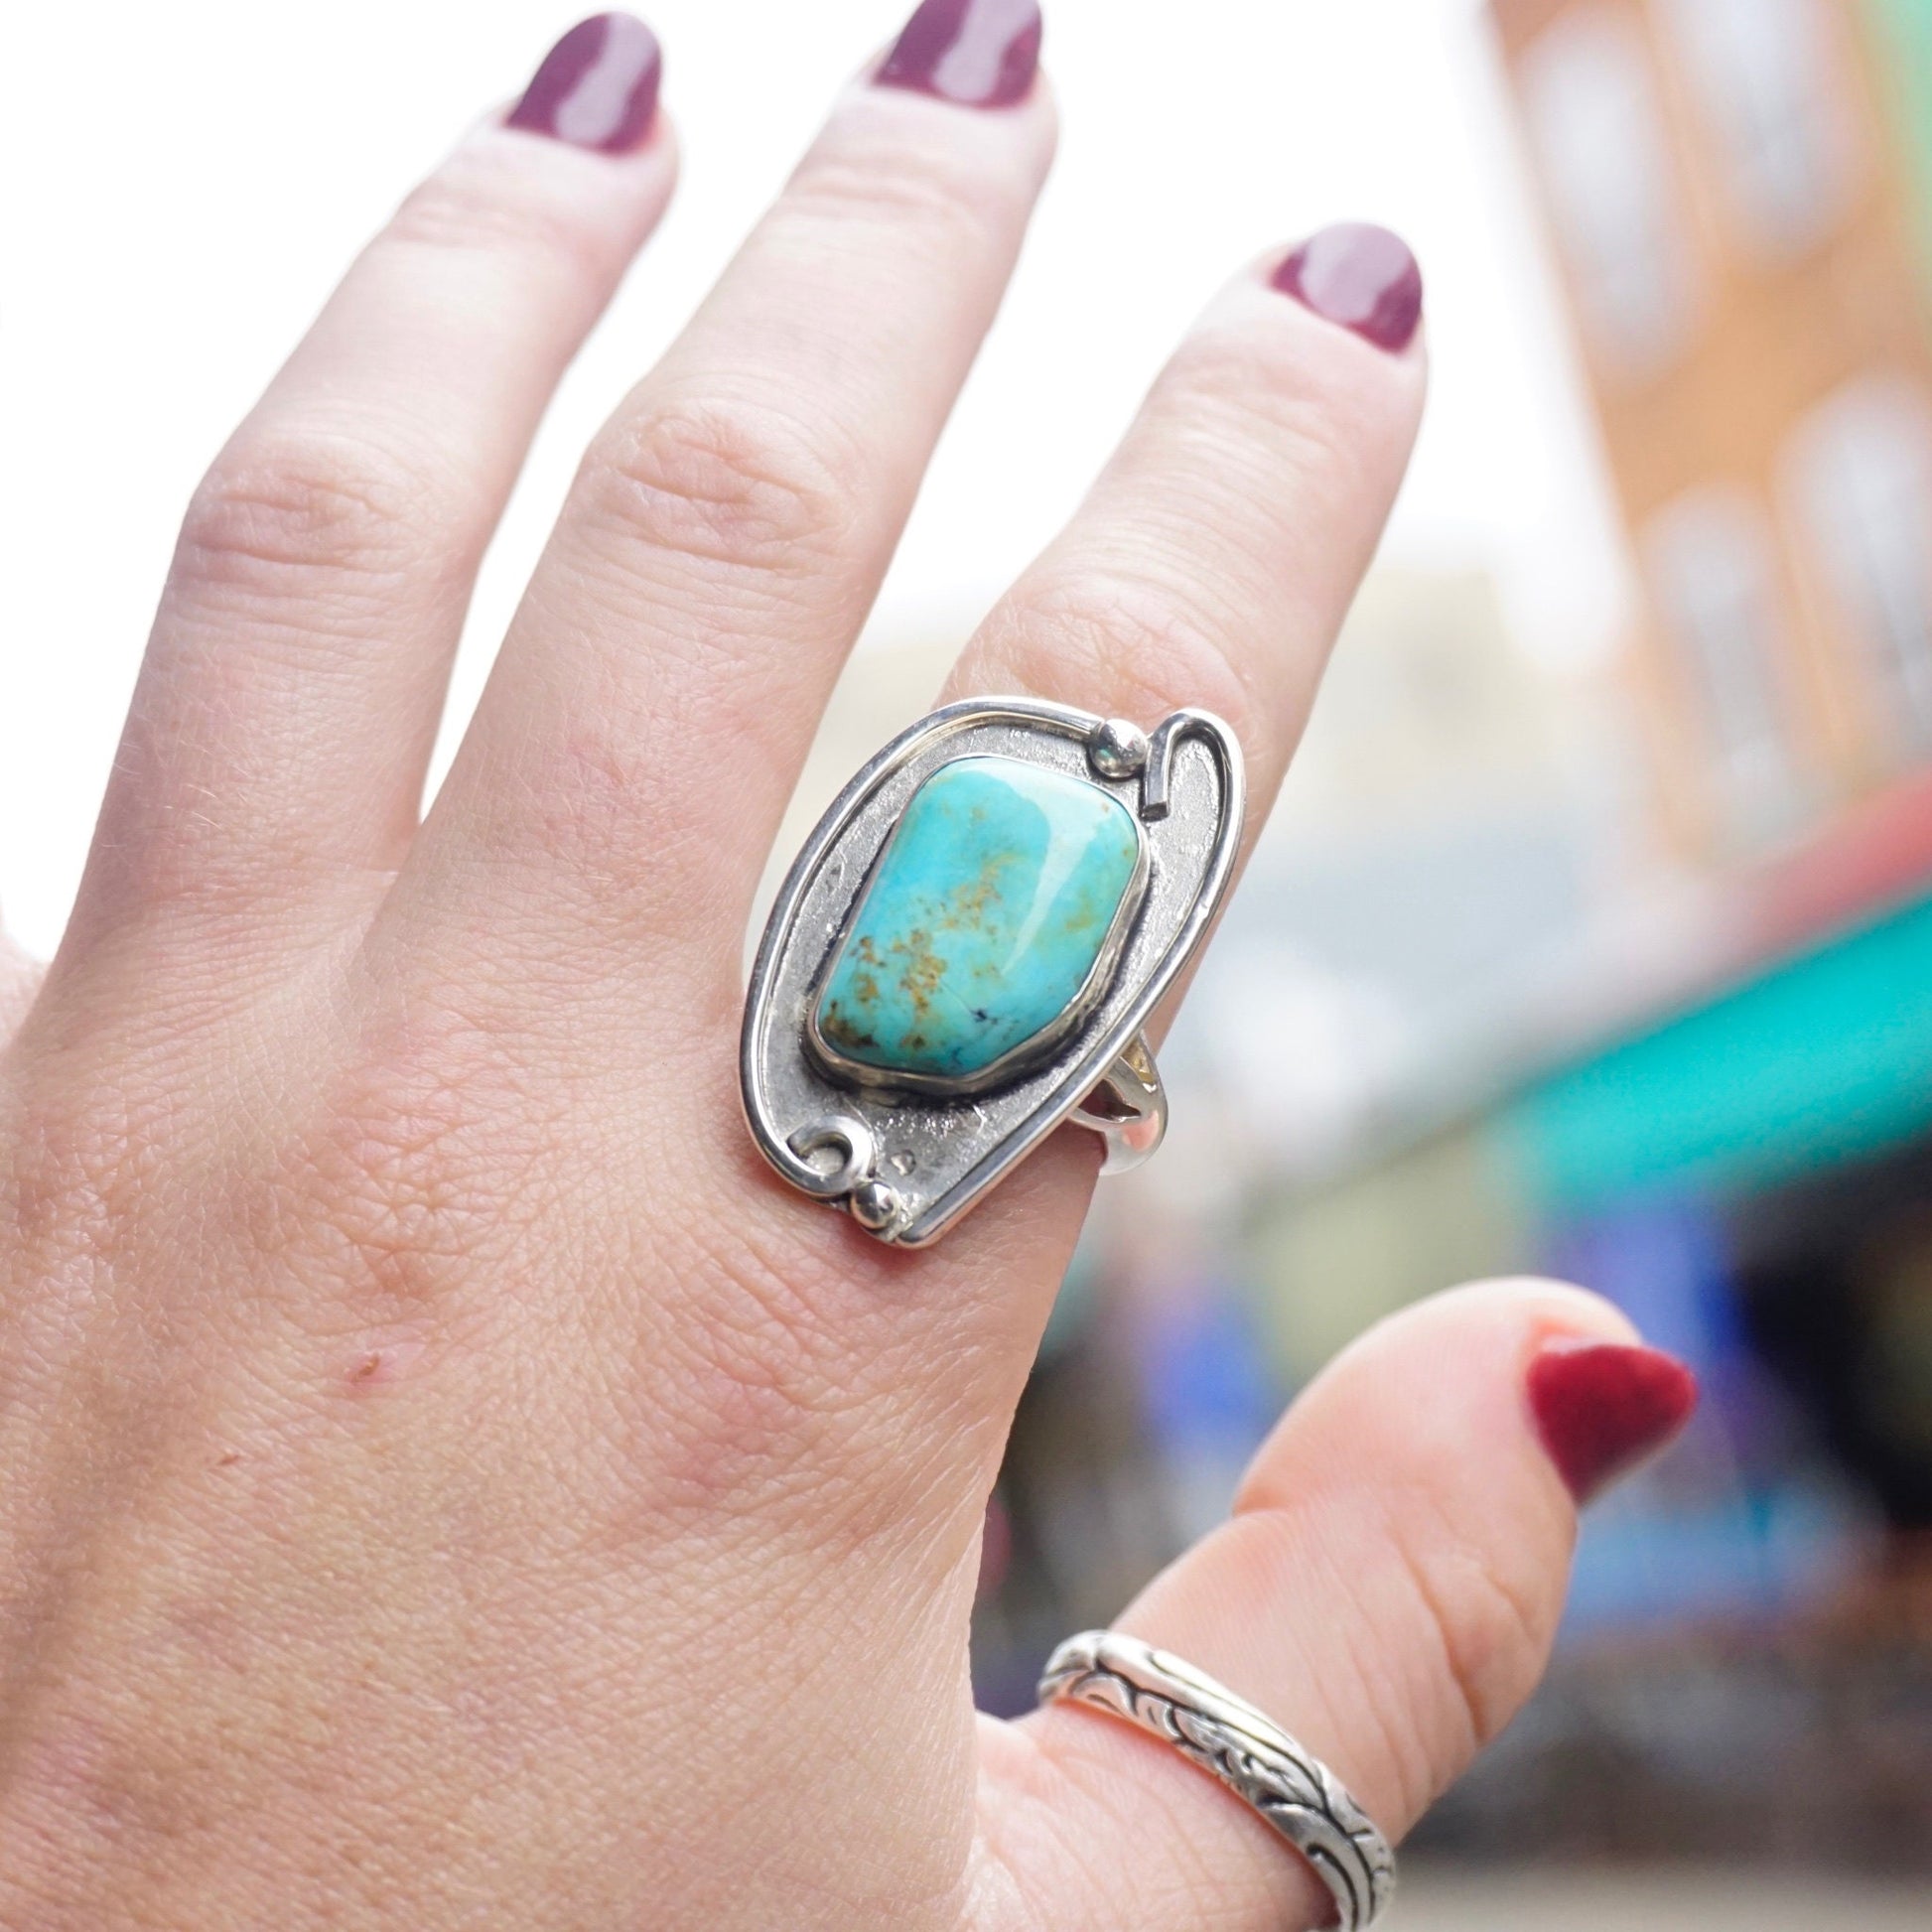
1602,1408
1360,276
979,52
597,88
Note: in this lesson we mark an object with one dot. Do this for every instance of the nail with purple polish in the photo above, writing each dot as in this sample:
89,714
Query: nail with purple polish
1360,276
597,88
979,52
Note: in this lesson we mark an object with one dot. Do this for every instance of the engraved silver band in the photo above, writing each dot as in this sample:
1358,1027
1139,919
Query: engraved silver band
1227,1737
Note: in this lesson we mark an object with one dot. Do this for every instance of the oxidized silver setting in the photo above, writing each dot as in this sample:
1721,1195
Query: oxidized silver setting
907,1156
1283,1781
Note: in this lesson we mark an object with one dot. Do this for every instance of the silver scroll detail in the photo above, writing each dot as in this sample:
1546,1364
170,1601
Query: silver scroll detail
1227,1737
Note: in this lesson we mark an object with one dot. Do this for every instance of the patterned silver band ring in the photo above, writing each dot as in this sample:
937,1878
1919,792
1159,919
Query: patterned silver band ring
1231,1740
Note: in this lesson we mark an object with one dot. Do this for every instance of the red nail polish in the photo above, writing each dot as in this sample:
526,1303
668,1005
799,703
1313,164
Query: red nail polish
597,88
1361,276
979,52
1602,1408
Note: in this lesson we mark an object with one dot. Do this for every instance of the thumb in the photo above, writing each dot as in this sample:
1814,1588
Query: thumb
1387,1590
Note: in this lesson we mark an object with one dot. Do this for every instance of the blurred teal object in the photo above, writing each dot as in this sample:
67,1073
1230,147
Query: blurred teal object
1825,1058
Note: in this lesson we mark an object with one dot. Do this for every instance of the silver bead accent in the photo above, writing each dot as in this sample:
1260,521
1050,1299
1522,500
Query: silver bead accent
874,1206
1118,750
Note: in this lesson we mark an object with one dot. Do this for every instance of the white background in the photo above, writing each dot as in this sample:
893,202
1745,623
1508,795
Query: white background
184,181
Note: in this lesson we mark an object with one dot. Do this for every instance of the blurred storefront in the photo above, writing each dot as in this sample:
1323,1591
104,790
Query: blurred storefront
1737,193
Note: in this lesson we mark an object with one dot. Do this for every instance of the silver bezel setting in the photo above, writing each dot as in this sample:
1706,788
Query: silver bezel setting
909,1156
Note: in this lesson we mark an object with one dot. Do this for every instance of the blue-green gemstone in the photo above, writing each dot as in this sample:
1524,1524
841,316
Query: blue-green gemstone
983,923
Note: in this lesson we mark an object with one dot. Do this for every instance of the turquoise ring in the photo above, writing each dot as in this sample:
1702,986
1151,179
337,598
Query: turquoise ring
966,949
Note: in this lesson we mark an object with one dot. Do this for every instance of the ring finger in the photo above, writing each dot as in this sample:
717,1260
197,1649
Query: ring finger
1217,556
1214,559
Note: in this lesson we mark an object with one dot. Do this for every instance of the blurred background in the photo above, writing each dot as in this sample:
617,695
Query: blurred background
1594,932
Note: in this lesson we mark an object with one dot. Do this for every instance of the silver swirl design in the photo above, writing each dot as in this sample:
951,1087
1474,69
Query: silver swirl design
1228,1738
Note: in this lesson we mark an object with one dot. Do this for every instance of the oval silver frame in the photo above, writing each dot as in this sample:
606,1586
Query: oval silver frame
907,1162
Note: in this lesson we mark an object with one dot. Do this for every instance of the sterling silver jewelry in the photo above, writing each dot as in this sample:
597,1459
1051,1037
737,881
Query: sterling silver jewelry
1231,1740
964,953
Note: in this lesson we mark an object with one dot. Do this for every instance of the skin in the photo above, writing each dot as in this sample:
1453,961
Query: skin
450,1482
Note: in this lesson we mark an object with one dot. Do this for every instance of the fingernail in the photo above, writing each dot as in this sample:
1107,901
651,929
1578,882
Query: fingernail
597,88
979,52
1361,276
1602,1408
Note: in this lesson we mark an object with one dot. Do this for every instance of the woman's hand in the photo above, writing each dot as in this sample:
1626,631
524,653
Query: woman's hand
449,1480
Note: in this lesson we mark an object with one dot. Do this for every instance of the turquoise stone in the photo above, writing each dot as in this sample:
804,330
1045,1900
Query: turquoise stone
983,922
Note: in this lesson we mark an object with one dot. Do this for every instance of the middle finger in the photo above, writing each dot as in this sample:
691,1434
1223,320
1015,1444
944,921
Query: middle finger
647,720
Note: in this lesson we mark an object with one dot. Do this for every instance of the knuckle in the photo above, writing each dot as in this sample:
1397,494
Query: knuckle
936,201
385,1203
1231,369
1299,413
762,1412
785,1414
602,808
754,1425
83,1161
480,205
301,504
722,482
397,1194
1149,644
1487,1615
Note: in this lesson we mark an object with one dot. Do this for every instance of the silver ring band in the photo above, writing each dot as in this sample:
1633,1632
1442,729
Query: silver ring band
1227,1737
1128,1109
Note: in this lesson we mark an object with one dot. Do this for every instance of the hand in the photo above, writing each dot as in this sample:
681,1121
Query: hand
450,1481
